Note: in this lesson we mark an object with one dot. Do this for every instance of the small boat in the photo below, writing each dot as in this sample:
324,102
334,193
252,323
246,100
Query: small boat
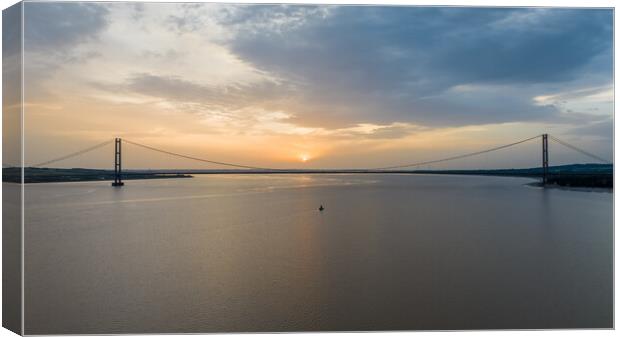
321,208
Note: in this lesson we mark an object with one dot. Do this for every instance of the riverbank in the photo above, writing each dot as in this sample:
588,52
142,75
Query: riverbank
569,176
572,188
46,175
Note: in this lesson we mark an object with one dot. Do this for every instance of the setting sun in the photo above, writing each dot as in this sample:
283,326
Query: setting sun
304,158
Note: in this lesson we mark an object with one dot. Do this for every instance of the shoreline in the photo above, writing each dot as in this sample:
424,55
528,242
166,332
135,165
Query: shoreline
588,176
78,179
105,177
572,188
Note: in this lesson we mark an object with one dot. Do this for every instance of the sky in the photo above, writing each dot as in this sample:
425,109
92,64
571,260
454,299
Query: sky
315,86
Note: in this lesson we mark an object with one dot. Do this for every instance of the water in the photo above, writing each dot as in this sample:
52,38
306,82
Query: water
252,253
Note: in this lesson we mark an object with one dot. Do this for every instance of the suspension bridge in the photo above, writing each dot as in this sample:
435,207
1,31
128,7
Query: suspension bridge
542,172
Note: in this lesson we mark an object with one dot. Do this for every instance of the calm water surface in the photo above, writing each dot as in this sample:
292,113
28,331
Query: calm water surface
252,253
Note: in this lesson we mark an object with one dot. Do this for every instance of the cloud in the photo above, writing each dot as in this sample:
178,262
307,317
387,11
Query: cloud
334,67
347,80
222,97
11,26
11,59
380,64
58,26
551,48
52,33
244,107
371,131
601,129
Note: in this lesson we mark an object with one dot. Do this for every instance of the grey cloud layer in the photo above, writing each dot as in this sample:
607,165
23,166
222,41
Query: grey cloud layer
342,66
51,33
380,64
58,26
220,97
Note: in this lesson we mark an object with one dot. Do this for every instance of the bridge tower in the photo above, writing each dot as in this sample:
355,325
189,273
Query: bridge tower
117,163
545,158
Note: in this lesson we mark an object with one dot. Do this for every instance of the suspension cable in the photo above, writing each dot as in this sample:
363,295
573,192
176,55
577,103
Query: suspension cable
198,159
457,157
582,151
94,147
71,155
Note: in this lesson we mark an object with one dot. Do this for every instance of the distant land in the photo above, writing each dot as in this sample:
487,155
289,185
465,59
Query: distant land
50,175
574,175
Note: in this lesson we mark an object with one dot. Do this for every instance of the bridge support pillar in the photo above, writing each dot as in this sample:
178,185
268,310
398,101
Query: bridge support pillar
117,163
545,158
